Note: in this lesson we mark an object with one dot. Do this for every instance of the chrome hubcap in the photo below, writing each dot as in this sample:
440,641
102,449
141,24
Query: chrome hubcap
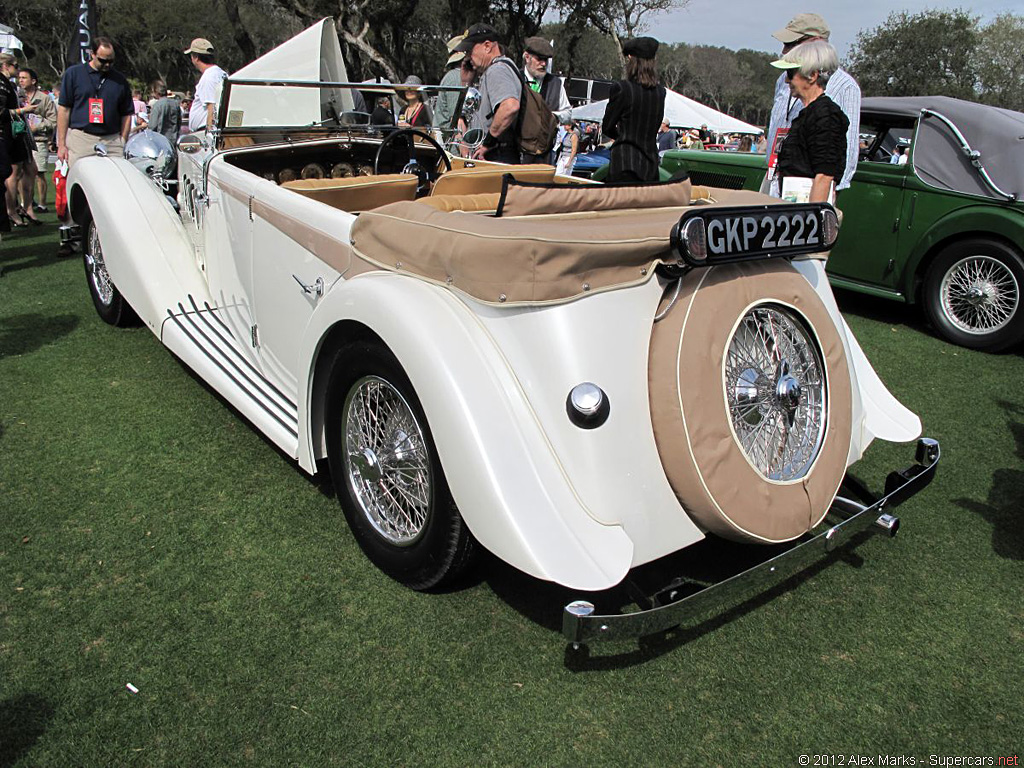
386,460
979,294
97,268
775,384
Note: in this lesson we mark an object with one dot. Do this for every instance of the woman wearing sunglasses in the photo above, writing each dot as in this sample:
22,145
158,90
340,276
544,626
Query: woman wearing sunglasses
813,156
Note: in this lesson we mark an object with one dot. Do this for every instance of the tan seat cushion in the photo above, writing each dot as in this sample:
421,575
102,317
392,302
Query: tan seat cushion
358,193
486,202
519,198
487,178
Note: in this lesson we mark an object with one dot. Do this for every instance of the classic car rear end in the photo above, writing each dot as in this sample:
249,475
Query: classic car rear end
580,379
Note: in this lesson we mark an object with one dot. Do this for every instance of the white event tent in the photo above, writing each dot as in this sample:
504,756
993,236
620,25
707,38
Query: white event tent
8,41
682,112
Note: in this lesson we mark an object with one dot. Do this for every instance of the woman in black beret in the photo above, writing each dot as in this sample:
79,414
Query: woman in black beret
635,109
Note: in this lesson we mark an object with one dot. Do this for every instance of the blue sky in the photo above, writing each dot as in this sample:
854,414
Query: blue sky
750,23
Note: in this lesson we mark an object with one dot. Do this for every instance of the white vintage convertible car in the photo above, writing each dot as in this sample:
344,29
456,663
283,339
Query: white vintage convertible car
579,378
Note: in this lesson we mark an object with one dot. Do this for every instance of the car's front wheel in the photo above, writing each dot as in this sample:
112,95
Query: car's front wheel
387,473
972,294
110,304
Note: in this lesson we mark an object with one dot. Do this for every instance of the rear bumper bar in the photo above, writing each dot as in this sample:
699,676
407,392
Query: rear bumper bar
581,625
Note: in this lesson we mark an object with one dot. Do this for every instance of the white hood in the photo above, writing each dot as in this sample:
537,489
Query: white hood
312,55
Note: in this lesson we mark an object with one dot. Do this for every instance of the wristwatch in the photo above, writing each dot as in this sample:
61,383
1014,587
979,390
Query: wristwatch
490,140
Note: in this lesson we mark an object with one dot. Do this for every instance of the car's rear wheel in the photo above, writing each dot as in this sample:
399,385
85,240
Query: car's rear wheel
972,294
110,304
387,473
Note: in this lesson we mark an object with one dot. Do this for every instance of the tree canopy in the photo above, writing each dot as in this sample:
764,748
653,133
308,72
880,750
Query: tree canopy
943,53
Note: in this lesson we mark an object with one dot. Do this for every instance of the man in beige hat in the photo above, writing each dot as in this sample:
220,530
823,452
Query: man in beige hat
447,101
841,88
201,113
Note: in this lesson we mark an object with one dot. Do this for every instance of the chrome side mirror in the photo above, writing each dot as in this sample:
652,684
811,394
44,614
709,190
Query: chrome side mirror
473,137
190,144
101,149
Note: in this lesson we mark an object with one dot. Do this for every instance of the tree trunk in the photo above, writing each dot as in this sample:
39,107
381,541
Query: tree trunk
359,42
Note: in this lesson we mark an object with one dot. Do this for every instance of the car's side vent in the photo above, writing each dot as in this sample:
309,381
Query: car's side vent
720,180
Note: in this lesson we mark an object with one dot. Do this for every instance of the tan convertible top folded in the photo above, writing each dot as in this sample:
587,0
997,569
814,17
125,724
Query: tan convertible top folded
522,260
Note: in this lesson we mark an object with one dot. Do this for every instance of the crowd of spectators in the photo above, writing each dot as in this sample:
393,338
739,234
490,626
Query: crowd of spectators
812,133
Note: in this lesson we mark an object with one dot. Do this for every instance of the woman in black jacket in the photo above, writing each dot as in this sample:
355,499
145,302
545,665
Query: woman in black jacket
815,147
633,116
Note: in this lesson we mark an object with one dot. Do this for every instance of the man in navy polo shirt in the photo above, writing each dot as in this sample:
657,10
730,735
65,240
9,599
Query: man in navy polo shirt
95,105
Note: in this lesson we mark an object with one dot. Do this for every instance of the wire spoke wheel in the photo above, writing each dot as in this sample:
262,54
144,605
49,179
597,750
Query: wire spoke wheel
979,294
96,268
387,463
776,392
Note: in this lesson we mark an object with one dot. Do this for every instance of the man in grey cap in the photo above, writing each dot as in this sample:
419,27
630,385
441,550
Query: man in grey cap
841,88
201,113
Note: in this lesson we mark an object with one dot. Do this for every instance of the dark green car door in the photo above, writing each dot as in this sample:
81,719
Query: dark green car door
869,237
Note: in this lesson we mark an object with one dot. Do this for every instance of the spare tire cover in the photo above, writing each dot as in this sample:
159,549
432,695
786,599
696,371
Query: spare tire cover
750,400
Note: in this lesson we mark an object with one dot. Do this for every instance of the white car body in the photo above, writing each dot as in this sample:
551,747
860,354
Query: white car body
576,507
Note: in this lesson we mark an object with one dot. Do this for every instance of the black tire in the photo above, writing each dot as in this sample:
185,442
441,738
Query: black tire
972,294
110,305
431,546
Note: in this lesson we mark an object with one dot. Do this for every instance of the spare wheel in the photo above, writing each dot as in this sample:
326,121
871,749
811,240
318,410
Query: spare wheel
750,400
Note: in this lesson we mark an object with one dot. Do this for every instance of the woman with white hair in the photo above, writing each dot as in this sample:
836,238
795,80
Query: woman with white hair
815,147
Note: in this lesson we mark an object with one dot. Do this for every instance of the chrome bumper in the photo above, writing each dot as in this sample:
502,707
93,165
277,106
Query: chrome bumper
581,625
70,234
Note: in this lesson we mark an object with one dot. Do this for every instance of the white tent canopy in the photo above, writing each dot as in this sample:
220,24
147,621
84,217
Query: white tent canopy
8,41
681,112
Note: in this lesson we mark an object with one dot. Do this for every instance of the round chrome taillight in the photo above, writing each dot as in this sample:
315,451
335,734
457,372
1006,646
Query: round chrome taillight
690,241
829,228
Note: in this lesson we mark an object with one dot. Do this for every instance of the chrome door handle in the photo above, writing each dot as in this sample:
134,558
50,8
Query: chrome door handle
316,289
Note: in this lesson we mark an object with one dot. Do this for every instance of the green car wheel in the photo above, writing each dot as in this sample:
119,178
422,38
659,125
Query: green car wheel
972,294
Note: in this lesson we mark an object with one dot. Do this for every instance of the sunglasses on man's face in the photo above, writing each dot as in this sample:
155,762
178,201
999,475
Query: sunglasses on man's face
101,60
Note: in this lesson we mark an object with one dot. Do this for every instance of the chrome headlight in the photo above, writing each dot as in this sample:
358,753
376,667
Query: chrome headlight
470,104
151,153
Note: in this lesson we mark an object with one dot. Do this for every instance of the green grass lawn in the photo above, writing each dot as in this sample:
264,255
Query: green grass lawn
149,536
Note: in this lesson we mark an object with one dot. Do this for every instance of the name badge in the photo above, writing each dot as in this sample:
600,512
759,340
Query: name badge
773,156
96,111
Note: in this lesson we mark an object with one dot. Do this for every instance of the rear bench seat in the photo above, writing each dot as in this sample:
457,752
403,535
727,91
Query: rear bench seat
358,193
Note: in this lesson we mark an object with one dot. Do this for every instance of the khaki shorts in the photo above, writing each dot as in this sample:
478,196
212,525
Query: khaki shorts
81,144
41,153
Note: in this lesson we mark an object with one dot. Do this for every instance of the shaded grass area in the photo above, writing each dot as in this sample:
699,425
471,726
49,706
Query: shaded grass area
149,536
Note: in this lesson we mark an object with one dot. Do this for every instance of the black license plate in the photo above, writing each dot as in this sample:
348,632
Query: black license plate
752,234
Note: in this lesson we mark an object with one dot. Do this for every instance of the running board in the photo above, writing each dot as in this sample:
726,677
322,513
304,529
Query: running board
204,342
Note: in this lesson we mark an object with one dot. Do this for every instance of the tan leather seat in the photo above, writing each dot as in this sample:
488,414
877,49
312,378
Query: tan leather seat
485,202
487,178
358,193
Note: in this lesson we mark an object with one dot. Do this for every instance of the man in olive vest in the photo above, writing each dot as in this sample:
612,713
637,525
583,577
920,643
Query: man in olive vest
536,61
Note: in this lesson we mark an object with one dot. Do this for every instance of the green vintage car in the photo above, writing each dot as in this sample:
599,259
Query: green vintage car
945,230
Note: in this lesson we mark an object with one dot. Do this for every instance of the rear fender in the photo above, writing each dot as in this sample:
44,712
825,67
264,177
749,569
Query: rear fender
146,249
1004,223
503,474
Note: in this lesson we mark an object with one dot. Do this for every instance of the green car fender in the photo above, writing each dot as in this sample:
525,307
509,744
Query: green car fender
983,220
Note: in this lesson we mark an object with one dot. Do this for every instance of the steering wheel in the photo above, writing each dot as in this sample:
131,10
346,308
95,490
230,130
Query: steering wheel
423,185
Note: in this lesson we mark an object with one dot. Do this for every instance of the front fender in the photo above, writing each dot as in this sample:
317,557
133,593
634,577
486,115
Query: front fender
983,220
146,249
503,473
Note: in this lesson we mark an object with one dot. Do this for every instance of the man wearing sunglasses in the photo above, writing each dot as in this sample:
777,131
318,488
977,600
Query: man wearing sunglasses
95,105
841,88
